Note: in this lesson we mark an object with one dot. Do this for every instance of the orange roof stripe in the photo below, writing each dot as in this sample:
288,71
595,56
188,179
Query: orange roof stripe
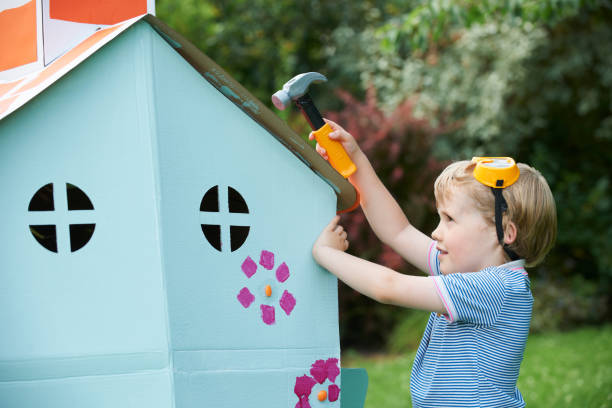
67,58
18,43
96,11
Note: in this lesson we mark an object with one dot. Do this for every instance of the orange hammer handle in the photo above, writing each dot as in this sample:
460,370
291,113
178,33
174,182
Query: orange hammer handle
336,154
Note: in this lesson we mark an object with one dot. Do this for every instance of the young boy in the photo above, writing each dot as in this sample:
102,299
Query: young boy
478,290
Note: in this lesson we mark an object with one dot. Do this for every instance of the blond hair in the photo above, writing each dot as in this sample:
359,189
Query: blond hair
531,206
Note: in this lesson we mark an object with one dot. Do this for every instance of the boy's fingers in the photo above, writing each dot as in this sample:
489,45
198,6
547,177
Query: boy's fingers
335,135
333,124
333,223
311,136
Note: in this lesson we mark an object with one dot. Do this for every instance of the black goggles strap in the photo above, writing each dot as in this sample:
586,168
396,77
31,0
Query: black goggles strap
501,206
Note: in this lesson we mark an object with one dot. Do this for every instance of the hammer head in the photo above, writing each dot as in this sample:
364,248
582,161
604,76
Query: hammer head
296,87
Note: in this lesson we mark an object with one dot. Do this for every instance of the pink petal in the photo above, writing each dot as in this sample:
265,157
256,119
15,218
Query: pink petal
303,385
249,267
267,314
333,371
245,297
287,302
303,402
282,273
267,259
333,392
319,371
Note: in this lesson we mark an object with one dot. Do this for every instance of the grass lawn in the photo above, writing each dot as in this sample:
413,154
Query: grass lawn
559,370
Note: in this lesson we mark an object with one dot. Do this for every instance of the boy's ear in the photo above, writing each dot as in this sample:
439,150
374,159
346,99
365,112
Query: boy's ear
510,233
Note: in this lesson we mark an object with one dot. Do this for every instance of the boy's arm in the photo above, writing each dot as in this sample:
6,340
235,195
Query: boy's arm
373,280
386,218
384,215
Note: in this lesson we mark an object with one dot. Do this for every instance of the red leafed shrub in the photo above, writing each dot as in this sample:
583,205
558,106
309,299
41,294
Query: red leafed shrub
399,147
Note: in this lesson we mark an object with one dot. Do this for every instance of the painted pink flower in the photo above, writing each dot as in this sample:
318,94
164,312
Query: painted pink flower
303,388
321,371
286,301
333,392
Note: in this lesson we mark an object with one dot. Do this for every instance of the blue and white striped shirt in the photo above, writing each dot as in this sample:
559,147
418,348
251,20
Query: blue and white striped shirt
471,356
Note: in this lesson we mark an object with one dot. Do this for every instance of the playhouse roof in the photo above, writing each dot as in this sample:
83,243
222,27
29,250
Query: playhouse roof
17,93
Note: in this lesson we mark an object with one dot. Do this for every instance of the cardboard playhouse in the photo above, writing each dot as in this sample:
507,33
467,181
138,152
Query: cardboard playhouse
157,224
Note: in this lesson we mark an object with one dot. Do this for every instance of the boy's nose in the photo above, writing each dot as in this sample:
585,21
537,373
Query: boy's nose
435,235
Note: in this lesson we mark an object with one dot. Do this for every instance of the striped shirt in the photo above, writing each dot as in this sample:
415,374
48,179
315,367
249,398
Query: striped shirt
470,357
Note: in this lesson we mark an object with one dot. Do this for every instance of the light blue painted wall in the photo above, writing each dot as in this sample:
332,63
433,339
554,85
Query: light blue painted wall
224,355
146,313
99,311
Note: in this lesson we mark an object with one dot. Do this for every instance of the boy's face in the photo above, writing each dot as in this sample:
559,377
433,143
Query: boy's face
467,242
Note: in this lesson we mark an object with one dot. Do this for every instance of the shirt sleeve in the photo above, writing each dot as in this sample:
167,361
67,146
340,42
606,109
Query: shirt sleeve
475,297
432,259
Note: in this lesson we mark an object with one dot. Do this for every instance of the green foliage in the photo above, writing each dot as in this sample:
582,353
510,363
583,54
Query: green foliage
561,113
264,43
558,370
561,304
541,94
433,21
407,334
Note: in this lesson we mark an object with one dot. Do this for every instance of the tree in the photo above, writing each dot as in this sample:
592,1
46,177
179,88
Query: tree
264,43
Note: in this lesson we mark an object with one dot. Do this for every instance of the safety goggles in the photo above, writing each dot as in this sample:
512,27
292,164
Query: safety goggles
498,173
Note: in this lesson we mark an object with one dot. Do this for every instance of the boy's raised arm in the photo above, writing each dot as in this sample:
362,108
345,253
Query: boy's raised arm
384,214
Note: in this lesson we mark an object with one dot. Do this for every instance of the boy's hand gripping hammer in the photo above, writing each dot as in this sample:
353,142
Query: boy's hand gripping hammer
297,90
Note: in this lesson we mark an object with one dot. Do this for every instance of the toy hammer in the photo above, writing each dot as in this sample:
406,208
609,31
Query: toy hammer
297,90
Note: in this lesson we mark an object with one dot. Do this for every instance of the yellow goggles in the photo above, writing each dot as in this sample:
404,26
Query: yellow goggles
496,172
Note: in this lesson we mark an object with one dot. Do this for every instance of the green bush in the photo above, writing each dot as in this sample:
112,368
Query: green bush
539,92
408,332
562,304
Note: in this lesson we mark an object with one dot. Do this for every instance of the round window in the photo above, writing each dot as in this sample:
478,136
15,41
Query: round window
55,221
214,207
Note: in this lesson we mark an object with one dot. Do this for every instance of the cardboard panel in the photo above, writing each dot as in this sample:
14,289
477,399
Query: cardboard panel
151,390
145,138
204,141
103,305
247,388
